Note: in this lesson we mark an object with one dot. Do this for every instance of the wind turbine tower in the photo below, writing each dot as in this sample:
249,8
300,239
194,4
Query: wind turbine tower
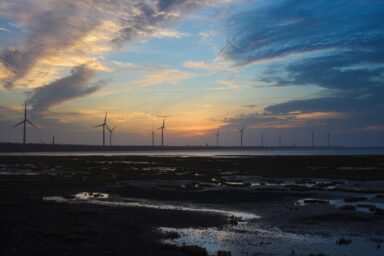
217,138
24,122
328,139
110,134
241,135
162,132
104,124
153,137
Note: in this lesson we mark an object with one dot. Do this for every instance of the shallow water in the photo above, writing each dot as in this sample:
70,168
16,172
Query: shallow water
84,197
244,238
221,153
248,238
363,206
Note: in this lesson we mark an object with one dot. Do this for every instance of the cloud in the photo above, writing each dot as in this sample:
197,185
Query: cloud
286,27
335,45
163,76
204,35
77,84
230,84
287,120
4,72
341,41
161,33
215,66
58,33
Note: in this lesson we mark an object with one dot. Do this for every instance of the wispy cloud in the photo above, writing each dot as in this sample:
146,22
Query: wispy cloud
335,45
60,32
163,76
215,66
229,84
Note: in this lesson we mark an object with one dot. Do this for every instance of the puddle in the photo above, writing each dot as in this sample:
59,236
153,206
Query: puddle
291,184
251,238
91,198
91,195
160,169
364,204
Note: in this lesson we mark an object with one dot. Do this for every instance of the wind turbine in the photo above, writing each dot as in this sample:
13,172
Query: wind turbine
162,131
104,124
329,139
110,134
24,122
280,140
153,137
217,138
241,135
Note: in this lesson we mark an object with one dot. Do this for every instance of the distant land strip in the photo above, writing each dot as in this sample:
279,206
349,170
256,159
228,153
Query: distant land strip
38,147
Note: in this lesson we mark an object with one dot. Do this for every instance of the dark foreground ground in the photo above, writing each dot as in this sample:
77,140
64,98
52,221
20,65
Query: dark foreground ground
265,185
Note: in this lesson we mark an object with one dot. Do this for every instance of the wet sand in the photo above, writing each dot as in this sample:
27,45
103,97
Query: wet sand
155,204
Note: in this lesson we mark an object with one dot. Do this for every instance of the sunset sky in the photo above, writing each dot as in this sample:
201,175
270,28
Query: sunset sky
287,67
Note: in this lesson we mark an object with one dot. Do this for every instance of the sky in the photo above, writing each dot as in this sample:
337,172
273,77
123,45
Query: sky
285,68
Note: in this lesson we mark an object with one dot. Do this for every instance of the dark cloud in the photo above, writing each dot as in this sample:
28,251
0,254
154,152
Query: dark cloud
255,119
295,26
349,34
336,45
328,104
346,71
76,85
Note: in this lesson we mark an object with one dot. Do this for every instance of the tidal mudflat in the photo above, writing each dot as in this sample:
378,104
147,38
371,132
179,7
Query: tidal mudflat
243,205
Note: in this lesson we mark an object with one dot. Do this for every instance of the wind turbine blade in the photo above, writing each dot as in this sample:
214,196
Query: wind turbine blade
105,118
19,123
99,125
114,128
32,124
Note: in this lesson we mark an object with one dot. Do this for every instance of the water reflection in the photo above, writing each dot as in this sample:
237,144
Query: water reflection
251,238
99,199
213,153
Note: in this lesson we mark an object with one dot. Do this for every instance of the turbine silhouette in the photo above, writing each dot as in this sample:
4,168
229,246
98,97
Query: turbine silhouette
241,135
24,122
104,124
110,134
153,137
217,138
162,128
